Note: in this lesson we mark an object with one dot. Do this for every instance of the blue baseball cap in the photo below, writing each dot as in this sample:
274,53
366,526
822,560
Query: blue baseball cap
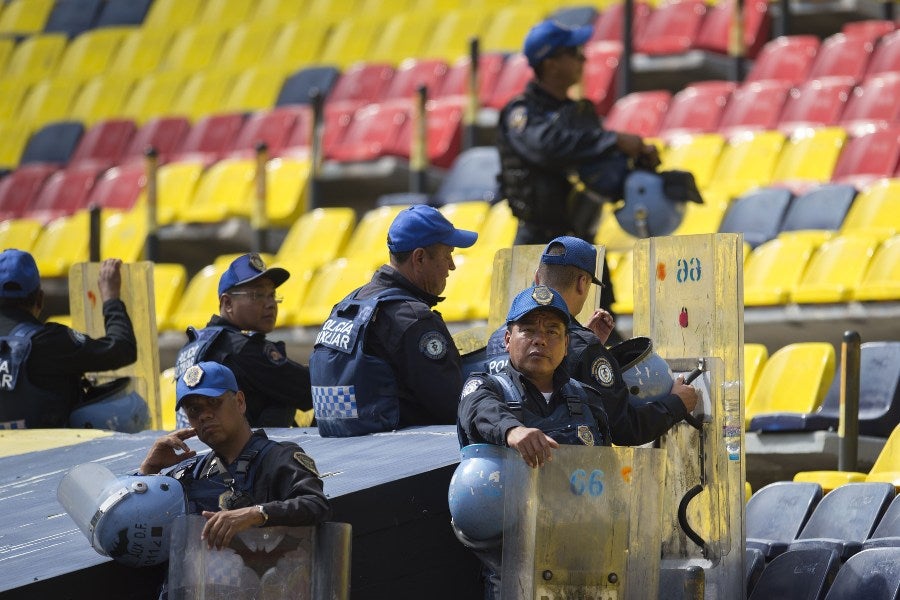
247,268
421,226
576,253
533,298
204,379
547,36
18,274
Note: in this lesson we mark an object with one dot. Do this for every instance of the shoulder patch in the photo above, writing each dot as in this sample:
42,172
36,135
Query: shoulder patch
306,461
471,385
602,372
274,354
433,345
77,337
517,118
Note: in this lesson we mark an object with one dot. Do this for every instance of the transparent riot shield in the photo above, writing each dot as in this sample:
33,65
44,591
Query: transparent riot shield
86,309
586,525
267,563
688,293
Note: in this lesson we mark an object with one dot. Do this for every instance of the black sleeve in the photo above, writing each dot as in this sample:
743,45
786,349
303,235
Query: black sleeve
293,494
484,417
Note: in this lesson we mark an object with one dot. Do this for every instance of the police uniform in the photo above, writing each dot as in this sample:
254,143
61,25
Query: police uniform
58,359
423,363
274,386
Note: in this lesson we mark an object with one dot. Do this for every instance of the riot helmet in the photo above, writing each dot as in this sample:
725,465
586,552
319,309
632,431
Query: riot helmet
655,203
476,496
114,405
647,376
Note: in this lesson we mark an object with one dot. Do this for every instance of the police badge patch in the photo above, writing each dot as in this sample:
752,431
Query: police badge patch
306,461
471,386
433,345
192,376
585,435
602,372
517,119
257,263
275,356
542,295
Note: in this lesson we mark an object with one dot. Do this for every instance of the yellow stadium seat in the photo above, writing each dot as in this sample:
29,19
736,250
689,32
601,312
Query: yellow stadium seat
876,207
176,183
329,12
498,230
402,36
48,101
140,52
509,26
368,242
350,41
297,44
886,469
36,57
202,94
90,53
755,356
293,291
173,14
223,261
467,288
623,284
746,162
449,40
829,480
697,154
20,233
194,48
316,238
169,281
227,14
13,138
200,300
7,45
835,270
61,319
102,97
153,95
124,234
167,399
384,9
702,218
810,156
221,192
275,11
773,268
329,285
12,94
467,215
287,182
247,44
25,16
794,379
62,243
882,279
254,89
610,233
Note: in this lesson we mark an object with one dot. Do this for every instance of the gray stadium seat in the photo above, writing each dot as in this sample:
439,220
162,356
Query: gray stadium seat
757,214
823,207
777,513
299,87
123,12
798,575
53,143
73,16
872,574
473,176
887,534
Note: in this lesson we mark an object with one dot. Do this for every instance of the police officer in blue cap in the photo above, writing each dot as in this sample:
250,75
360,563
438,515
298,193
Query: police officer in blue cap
384,359
275,387
42,364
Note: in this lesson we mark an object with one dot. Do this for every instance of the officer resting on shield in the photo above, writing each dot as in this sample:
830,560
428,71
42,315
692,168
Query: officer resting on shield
384,359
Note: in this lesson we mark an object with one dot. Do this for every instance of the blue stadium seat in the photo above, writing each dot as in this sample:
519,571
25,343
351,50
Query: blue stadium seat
803,574
123,12
473,176
887,534
73,16
53,143
879,398
823,207
872,574
777,513
757,214
301,85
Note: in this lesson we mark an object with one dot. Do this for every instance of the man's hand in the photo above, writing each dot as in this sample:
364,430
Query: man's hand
649,157
168,450
686,392
532,444
222,526
110,280
630,144
602,324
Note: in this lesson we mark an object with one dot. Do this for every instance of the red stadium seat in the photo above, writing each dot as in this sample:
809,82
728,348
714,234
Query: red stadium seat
754,106
672,28
786,58
298,144
515,75
210,138
609,24
337,120
715,32
104,144
444,132
886,57
870,30
411,74
372,133
119,187
841,56
698,108
361,84
814,104
600,69
165,134
868,157
873,104
274,127
64,193
19,188
455,82
640,113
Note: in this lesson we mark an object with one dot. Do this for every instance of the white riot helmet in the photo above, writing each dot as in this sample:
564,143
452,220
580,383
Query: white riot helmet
646,374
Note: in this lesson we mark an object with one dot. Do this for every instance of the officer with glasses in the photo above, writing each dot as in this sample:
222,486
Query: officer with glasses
275,387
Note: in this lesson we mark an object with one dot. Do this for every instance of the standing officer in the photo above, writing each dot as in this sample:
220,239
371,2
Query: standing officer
274,386
546,138
384,359
42,364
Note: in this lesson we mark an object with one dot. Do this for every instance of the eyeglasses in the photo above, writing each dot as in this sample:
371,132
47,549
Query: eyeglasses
257,296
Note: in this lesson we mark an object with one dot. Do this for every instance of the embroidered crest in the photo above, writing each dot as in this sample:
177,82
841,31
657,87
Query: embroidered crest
471,386
433,345
517,119
585,435
192,376
542,295
274,354
602,372
306,461
257,263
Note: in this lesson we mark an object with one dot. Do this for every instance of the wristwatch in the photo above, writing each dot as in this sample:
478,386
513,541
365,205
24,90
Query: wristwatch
264,514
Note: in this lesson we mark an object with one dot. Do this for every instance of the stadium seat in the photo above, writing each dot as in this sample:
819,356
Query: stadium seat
401,36
755,356
702,218
64,193
515,75
444,121
123,12
601,67
869,574
794,379
176,183
104,144
754,563
695,153
329,285
447,40
798,574
456,82
413,73
300,86
90,53
640,113
786,59
697,108
12,93
610,233
246,44
287,182
835,270
13,137
73,16
508,26
887,533
317,237
272,127
24,17
221,193
879,397
371,134
871,105
298,44
472,176
199,301
276,11
36,57
814,103
19,233
119,188
776,514
202,94
876,208
152,95
62,243
101,97
841,56
809,157
193,48
123,235
210,138
887,465
467,287
173,14
868,157
163,134
19,188
882,280
254,89
886,56
623,283
611,22
715,31
822,208
773,268
299,144
466,215
498,230
140,52
7,45
367,242
871,29
53,143
350,41
361,84
169,281
672,28
167,399
754,106
47,101
757,214
845,518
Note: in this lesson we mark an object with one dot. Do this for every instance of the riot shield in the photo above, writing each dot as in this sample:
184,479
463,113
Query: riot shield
137,293
585,525
267,563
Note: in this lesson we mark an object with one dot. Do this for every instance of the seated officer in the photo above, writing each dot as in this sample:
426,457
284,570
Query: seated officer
42,364
247,480
274,386
384,359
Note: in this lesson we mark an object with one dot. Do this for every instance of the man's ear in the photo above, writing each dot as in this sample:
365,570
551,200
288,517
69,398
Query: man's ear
583,284
241,400
418,256
506,340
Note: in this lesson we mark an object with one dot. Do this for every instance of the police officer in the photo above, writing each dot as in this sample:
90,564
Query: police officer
42,364
384,359
274,386
247,480
545,137
568,265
